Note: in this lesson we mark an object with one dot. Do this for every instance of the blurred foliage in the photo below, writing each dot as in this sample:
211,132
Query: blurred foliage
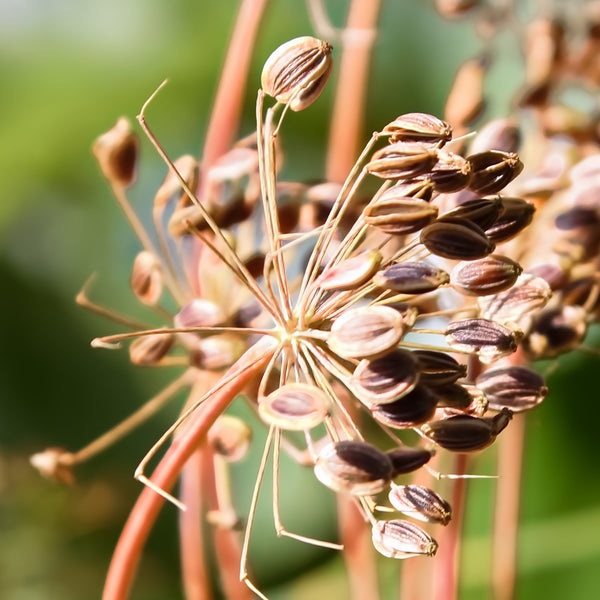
69,69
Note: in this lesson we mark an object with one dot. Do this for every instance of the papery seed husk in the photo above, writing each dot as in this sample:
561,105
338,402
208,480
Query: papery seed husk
411,278
366,332
406,460
451,173
481,211
420,502
488,339
402,160
230,438
297,71
414,408
419,127
555,331
353,467
294,407
385,379
438,368
149,350
513,387
146,278
493,170
117,153
515,215
199,313
485,276
528,295
402,539
350,273
456,240
399,215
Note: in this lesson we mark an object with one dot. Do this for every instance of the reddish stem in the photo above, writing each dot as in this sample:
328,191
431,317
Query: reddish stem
143,515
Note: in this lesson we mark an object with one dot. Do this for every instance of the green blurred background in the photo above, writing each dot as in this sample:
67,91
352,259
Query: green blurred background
68,70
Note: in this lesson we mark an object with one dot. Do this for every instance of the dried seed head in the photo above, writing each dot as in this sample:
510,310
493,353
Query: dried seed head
296,73
414,408
485,276
146,278
402,160
458,240
199,313
149,350
438,368
493,170
528,295
514,216
451,173
353,467
406,460
385,379
350,273
498,134
556,331
402,539
294,407
411,278
117,153
421,503
463,433
399,215
230,438
481,211
512,387
366,332
419,127
489,340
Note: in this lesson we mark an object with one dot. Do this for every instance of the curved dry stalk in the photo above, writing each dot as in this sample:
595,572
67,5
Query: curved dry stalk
141,519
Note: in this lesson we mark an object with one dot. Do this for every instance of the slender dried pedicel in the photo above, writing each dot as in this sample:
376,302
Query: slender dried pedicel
146,278
350,273
366,332
485,276
296,73
419,127
294,407
402,539
411,278
420,502
513,387
399,215
117,153
385,379
438,368
414,408
488,339
458,240
402,160
493,170
353,467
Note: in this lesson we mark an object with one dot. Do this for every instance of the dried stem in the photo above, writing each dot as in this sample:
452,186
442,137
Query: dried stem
141,520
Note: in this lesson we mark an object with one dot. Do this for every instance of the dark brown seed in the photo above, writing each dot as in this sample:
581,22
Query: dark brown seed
419,127
421,503
402,539
515,215
402,160
353,467
578,235
488,339
493,170
451,173
399,215
485,276
481,211
453,395
406,460
456,240
516,388
438,368
411,278
385,379
414,408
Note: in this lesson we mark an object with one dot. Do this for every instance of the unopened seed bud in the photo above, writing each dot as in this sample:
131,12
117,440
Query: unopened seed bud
296,73
149,350
199,313
230,438
146,278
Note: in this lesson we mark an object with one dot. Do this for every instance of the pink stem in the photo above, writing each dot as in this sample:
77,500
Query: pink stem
143,515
